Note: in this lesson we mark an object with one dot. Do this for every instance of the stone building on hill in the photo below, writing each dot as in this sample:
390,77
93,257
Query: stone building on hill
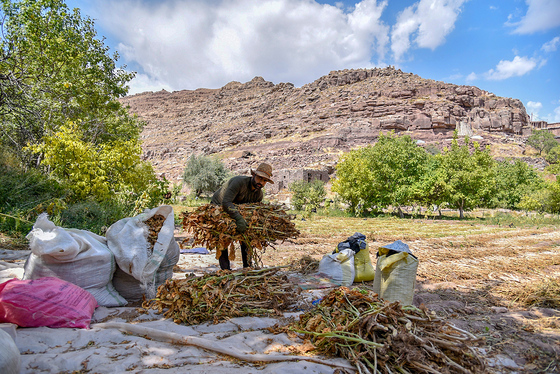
283,178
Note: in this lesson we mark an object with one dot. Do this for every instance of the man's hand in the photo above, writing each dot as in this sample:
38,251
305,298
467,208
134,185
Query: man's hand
241,225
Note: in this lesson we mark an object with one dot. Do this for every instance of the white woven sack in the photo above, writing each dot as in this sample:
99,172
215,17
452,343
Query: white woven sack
10,358
76,256
339,267
128,240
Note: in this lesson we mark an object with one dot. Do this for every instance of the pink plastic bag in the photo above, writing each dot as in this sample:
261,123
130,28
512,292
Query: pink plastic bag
47,301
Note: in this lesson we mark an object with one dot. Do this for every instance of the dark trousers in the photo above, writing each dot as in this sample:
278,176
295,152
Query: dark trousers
224,258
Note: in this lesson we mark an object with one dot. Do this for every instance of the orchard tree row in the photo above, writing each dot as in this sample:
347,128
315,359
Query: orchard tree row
396,172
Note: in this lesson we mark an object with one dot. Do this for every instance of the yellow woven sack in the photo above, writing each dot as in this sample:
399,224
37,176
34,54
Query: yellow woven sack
395,277
363,266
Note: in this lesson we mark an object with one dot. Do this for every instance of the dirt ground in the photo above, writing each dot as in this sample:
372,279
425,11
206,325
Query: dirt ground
477,277
500,283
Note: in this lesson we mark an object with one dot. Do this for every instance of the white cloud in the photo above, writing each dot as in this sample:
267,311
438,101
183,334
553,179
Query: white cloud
552,45
143,83
200,43
428,22
541,15
471,77
507,69
534,108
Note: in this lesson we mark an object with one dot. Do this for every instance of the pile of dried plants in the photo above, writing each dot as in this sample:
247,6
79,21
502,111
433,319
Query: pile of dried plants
543,292
154,223
305,265
381,337
222,295
211,227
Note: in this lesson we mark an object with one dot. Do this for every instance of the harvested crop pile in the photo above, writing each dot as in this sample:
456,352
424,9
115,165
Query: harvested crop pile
305,265
223,295
154,223
380,337
214,229
543,292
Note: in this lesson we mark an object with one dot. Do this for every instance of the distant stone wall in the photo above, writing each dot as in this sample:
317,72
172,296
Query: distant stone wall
539,124
555,129
283,178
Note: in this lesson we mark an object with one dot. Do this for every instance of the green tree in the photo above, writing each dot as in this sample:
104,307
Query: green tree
430,190
469,177
553,155
307,195
204,174
99,171
53,69
382,175
542,140
514,179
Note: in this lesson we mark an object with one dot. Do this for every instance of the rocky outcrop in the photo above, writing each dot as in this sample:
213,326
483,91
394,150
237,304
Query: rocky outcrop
309,127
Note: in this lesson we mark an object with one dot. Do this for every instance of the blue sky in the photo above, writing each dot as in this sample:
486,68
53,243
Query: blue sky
508,47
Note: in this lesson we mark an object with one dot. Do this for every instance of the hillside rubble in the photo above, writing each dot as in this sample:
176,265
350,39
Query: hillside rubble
291,127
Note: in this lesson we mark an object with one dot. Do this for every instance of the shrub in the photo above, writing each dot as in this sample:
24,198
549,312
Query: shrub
204,174
306,195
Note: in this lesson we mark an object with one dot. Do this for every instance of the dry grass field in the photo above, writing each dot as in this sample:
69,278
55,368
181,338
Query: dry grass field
497,278
499,282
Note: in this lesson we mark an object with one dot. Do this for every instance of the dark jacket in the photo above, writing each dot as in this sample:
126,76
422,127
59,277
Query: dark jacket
237,190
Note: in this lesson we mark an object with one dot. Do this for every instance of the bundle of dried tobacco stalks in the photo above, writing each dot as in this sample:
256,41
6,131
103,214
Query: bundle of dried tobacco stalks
214,229
381,337
223,295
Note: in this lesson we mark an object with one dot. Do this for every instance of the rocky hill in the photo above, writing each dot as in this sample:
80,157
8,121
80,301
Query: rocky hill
311,126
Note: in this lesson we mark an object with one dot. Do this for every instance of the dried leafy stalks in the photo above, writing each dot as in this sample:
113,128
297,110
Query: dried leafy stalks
223,295
543,292
214,229
380,337
154,223
305,265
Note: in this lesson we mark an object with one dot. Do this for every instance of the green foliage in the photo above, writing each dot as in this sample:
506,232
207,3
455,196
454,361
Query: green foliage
514,180
58,71
553,155
468,177
553,201
535,201
204,174
98,171
432,149
518,219
307,195
382,175
542,140
23,195
431,188
91,215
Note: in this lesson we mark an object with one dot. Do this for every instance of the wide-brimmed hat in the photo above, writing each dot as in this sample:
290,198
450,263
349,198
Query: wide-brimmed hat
264,171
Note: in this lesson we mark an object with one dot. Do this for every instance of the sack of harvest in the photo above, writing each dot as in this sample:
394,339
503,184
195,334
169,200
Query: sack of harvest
395,273
76,256
47,301
338,267
363,267
145,251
